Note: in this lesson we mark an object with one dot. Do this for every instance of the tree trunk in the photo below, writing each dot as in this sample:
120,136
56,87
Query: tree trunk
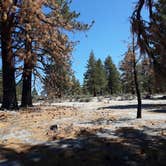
26,100
111,90
9,86
149,87
139,107
138,92
94,92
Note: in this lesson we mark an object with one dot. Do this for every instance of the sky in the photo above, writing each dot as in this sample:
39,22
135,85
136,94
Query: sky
109,34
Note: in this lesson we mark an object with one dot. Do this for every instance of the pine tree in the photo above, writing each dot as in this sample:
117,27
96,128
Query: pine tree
101,81
127,76
75,88
53,42
34,35
146,77
113,76
90,76
57,81
95,77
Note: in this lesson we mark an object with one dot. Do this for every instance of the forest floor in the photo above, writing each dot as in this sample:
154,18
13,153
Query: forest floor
97,133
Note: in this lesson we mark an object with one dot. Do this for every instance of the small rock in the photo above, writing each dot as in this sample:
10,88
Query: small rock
54,127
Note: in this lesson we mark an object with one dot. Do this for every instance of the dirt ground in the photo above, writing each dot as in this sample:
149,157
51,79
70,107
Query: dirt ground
94,133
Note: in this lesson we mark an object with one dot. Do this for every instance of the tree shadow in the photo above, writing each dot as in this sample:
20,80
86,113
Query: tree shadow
133,147
159,110
134,106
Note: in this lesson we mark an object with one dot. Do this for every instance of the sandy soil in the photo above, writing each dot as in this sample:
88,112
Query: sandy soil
100,133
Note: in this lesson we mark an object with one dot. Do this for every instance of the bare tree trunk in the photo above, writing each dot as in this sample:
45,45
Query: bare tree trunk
9,86
138,92
139,107
26,100
94,92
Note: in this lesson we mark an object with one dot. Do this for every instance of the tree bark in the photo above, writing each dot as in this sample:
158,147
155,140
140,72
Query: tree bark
94,92
138,92
26,100
9,86
139,107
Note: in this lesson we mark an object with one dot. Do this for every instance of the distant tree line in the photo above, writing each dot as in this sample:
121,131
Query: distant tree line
143,63
101,78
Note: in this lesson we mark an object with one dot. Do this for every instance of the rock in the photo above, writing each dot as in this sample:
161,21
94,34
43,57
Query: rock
54,127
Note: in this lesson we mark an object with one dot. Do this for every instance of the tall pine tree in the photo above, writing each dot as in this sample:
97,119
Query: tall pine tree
95,77
101,80
90,76
113,76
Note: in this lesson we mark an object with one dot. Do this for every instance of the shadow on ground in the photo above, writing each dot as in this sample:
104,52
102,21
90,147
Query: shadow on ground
158,107
132,148
162,110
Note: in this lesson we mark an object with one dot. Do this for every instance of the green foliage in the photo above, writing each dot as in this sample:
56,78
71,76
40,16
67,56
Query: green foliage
90,75
145,74
60,80
113,76
127,75
57,78
101,79
145,78
75,88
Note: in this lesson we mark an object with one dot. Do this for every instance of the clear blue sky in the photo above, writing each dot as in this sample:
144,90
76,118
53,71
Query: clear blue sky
107,35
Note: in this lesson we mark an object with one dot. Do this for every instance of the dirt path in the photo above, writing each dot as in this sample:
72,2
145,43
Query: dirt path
74,133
